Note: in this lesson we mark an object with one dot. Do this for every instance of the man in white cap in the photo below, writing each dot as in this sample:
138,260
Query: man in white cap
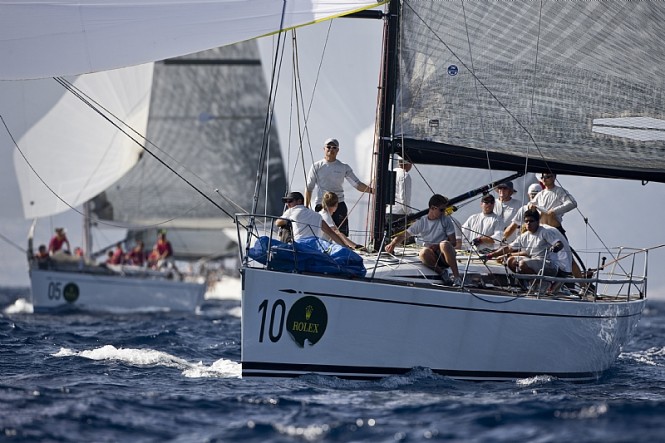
304,221
328,175
509,233
480,229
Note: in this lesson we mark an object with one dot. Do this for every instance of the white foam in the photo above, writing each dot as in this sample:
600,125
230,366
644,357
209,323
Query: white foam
149,357
651,356
236,312
228,288
537,380
20,306
222,368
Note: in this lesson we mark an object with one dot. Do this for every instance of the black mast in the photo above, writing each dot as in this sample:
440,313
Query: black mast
389,67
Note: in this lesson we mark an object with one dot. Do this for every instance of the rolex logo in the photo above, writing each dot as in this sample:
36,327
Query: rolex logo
307,320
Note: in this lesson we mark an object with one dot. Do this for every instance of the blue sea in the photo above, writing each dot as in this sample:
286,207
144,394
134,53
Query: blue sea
176,378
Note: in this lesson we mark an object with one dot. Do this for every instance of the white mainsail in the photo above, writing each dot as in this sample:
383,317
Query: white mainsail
49,38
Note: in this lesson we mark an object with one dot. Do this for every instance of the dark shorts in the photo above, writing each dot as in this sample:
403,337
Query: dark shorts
340,217
440,259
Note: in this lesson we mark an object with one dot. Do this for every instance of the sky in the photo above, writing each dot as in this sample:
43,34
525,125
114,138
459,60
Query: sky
622,213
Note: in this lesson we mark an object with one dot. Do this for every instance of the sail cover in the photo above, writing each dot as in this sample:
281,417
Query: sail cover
575,87
47,38
67,153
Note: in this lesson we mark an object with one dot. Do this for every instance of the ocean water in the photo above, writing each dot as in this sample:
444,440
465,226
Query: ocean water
176,378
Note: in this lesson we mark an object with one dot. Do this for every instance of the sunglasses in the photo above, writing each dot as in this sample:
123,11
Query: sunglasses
544,176
332,148
289,200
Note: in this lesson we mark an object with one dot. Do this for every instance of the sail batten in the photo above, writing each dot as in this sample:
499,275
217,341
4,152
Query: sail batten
534,88
51,38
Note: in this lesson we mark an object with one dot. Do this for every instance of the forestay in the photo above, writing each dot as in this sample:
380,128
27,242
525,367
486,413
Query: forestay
572,86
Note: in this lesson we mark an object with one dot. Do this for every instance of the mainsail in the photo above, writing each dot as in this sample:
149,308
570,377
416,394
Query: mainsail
49,38
207,118
534,85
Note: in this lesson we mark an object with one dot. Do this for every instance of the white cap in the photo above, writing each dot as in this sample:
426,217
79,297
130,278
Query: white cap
534,188
331,141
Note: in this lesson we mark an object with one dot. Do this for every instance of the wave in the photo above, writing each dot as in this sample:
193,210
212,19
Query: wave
151,358
20,306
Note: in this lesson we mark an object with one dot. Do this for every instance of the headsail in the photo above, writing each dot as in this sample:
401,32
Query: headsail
207,117
492,84
51,38
43,116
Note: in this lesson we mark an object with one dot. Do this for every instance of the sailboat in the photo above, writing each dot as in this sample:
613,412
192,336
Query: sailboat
510,86
86,164
515,87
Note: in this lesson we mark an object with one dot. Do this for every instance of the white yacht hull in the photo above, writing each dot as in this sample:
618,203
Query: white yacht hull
362,329
53,290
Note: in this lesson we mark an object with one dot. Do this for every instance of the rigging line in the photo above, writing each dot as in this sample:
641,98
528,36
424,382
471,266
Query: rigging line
311,101
78,94
268,119
535,62
11,136
587,223
83,96
272,100
485,87
276,77
635,252
398,120
475,86
291,174
66,84
94,105
11,243
297,94
266,128
101,160
401,122
519,123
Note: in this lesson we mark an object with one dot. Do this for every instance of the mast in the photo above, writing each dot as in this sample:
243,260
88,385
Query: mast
384,150
87,233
